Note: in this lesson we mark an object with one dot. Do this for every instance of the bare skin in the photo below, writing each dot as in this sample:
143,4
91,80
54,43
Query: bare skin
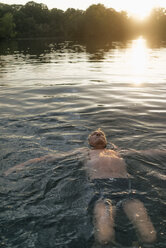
105,163
31,161
46,158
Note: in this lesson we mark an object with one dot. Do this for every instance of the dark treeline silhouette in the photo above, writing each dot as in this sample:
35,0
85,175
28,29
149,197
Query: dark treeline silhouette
34,20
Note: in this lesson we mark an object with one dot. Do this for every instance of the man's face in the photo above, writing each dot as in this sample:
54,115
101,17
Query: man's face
97,139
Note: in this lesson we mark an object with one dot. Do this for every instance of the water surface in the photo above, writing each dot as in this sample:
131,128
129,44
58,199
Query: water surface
52,95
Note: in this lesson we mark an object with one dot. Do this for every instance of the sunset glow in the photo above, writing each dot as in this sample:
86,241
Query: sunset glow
136,8
139,9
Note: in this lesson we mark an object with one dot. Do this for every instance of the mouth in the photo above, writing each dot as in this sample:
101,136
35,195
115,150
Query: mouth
99,143
100,140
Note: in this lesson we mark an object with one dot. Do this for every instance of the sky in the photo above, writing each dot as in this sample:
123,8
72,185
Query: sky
138,8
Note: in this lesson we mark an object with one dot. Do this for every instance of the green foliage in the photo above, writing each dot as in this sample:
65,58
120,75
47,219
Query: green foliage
73,23
56,23
95,24
4,8
101,22
7,26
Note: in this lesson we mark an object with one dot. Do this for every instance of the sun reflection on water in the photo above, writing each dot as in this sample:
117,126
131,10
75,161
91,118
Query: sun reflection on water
139,61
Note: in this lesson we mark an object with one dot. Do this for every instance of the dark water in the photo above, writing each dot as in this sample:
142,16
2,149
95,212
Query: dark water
52,95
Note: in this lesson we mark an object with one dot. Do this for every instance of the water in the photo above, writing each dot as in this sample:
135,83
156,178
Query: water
52,95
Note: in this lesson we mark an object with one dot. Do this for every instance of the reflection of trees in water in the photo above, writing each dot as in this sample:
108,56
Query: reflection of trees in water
2,65
44,50
98,50
155,43
34,48
39,48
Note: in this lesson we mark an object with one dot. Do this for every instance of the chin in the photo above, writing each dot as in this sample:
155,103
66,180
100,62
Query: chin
100,146
98,143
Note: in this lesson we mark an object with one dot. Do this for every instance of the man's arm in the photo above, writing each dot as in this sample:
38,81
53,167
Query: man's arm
150,152
154,152
18,167
48,158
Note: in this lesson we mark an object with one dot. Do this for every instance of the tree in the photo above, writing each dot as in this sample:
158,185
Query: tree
73,23
156,24
94,21
5,8
56,23
7,26
32,20
97,23
102,23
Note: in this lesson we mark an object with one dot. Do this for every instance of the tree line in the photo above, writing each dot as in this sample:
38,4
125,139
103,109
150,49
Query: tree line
97,22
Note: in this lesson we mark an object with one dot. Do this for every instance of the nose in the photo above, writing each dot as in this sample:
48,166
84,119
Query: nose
98,134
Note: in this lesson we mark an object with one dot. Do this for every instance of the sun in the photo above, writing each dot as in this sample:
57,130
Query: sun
139,9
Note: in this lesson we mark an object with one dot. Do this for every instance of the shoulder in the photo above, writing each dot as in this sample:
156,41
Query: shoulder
113,152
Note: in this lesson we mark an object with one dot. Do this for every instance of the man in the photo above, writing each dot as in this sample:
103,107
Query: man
106,166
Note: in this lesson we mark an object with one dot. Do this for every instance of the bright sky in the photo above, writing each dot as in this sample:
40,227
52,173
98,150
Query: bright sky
138,8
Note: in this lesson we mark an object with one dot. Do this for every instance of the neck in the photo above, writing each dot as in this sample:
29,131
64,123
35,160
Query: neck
98,148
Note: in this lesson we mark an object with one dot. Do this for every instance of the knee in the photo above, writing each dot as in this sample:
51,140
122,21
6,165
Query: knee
104,230
149,237
105,234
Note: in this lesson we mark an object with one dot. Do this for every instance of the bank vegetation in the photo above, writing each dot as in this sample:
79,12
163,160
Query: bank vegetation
97,22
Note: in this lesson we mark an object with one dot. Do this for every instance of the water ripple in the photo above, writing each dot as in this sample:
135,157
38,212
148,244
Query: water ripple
50,100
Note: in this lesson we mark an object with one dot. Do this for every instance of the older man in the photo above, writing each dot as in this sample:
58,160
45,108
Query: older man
107,172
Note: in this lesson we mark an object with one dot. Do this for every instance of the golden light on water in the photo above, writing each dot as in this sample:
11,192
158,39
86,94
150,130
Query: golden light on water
139,59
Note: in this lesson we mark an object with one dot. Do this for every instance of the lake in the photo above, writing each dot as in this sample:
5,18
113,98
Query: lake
52,95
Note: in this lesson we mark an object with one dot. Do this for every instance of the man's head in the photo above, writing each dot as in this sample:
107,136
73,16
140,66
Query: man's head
97,139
